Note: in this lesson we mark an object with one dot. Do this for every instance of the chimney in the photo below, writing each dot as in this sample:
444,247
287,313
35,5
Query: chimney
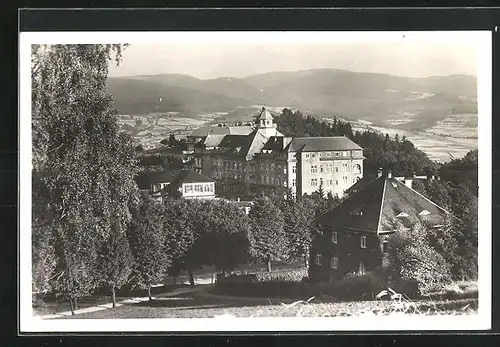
389,174
379,173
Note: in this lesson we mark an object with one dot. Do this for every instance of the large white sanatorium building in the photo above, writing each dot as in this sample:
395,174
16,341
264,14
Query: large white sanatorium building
248,160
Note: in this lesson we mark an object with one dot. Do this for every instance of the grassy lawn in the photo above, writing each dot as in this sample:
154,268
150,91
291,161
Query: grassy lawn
194,305
51,305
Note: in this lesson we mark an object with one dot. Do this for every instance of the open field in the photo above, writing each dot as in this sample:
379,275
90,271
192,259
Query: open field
434,142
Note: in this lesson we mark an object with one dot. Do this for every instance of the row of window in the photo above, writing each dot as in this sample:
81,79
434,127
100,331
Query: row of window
199,188
269,166
329,168
314,181
334,263
333,154
362,239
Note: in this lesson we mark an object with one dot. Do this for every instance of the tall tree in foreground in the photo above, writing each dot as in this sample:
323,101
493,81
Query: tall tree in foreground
74,132
116,262
299,228
228,244
147,242
268,239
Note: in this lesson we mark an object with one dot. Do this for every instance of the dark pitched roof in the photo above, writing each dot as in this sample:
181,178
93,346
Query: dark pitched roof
187,176
245,145
313,144
274,143
379,203
145,180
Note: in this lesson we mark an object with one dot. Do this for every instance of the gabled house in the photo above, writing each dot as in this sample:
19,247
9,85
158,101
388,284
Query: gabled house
177,183
356,233
154,182
190,185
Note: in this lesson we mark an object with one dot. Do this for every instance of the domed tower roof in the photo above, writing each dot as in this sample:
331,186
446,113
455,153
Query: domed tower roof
265,114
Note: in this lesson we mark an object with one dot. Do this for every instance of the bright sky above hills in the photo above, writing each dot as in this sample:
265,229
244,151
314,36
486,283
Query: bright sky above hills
409,57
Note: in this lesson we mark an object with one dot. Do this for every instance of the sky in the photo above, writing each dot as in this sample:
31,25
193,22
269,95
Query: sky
219,59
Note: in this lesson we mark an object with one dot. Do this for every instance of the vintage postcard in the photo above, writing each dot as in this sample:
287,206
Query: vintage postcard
255,181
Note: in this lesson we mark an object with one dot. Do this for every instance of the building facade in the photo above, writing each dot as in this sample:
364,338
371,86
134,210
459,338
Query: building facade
177,183
356,233
250,161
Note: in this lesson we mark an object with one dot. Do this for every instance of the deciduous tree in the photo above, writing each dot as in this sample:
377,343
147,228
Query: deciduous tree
74,135
146,237
268,239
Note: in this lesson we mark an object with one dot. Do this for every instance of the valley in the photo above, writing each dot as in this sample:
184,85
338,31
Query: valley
438,114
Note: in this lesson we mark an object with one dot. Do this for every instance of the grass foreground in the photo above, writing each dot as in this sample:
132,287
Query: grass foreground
197,305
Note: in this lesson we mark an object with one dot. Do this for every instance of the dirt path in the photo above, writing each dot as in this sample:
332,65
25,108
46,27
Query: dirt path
135,300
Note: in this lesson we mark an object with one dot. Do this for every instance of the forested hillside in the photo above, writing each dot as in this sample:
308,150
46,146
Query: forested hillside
381,151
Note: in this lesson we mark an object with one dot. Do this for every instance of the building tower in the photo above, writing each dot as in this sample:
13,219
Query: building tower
265,124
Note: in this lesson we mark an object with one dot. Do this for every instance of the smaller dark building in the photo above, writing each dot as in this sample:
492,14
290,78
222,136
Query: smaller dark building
356,233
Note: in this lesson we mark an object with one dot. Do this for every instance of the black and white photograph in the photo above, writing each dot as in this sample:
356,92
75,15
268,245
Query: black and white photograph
255,181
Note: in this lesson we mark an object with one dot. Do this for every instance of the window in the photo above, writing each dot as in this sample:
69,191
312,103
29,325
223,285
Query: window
385,246
329,182
328,154
363,241
188,188
313,155
321,180
294,182
293,169
424,213
336,169
336,182
206,187
345,178
336,154
357,168
321,168
318,259
314,182
361,268
334,237
334,263
307,155
314,168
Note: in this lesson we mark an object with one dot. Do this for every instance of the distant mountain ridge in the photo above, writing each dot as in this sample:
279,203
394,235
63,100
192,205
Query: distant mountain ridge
352,95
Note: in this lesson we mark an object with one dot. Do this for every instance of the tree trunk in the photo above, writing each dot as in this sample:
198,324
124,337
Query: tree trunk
191,279
269,265
113,296
175,280
75,303
306,261
71,307
149,292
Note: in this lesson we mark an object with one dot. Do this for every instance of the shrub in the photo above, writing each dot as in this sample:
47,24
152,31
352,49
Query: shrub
287,275
354,287
280,284
416,266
